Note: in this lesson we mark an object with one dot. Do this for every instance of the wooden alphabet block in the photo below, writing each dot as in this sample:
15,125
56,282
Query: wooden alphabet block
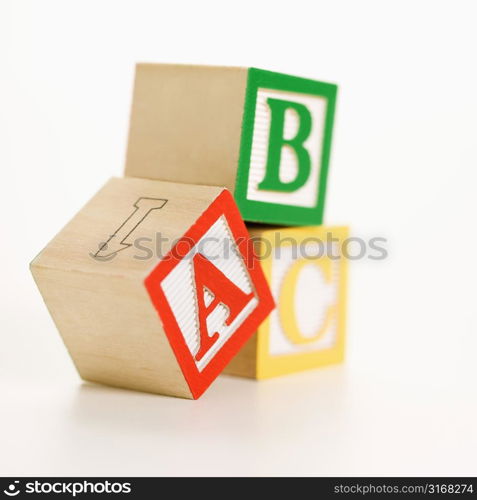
265,136
153,286
306,270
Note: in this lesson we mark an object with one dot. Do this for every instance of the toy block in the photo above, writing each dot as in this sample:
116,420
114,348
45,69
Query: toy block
153,286
265,136
306,270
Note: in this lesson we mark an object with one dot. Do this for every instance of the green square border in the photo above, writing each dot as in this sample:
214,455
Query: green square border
273,213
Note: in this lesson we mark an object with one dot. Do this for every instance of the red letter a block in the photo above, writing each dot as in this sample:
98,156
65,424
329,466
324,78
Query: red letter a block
210,293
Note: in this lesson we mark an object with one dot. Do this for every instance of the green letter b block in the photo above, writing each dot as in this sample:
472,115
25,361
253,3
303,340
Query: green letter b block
285,149
264,136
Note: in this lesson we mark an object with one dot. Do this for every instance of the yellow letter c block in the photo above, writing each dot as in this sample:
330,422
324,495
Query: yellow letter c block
307,328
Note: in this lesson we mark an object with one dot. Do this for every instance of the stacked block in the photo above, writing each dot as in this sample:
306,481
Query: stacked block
209,147
307,275
168,323
264,136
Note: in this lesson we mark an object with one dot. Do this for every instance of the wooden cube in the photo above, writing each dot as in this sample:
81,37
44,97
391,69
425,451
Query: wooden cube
306,270
153,286
265,136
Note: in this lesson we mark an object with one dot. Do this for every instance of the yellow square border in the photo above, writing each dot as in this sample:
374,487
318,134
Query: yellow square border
272,366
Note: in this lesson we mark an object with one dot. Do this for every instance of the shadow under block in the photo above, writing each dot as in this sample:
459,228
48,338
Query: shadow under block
306,271
265,136
141,291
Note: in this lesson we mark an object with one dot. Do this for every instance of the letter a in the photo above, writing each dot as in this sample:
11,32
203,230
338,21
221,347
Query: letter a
208,277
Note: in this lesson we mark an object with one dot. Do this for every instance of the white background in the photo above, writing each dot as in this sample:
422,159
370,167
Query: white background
403,167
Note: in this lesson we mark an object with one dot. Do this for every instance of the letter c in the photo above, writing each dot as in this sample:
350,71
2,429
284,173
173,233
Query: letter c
286,308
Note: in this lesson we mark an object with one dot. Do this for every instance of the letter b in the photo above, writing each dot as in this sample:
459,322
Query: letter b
277,142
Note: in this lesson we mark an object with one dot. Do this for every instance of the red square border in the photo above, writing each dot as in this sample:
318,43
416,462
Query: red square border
199,381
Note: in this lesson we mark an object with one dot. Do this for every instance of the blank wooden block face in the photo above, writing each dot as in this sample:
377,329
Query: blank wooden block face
265,136
153,286
307,275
